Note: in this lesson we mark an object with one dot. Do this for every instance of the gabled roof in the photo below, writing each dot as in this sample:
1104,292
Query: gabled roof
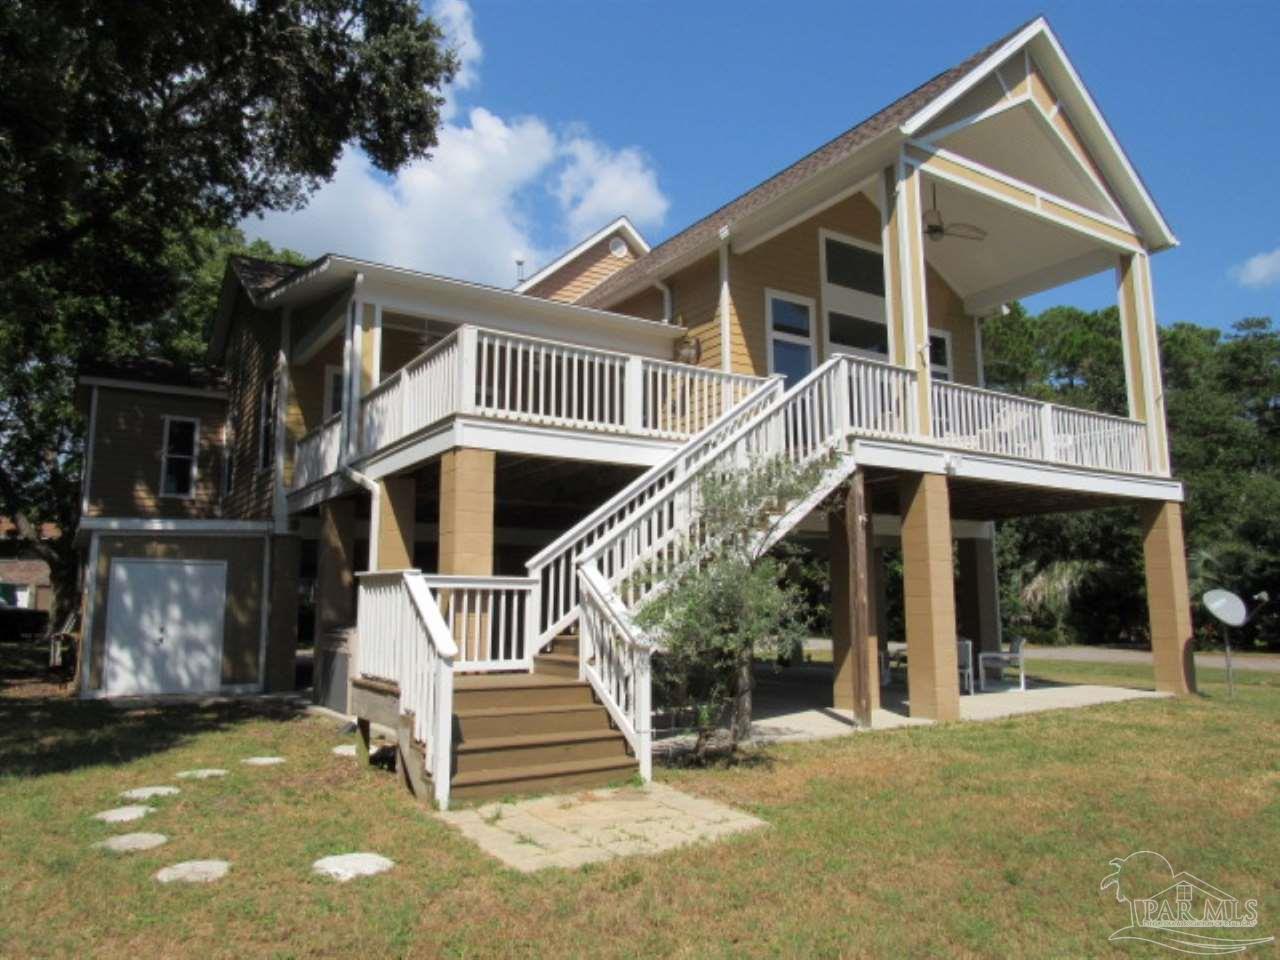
622,225
899,119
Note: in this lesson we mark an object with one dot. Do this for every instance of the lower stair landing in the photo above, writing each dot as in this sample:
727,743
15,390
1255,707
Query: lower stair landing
522,733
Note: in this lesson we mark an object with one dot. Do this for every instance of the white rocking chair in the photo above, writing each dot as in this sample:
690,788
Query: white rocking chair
1000,659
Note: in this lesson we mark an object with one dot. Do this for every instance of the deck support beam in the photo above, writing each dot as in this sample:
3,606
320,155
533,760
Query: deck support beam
853,629
928,588
1168,598
397,501
335,567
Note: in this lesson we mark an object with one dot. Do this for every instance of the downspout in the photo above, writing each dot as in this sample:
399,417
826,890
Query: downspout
665,290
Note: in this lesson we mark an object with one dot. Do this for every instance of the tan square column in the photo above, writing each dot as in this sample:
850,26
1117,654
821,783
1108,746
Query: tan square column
928,588
978,606
466,511
1168,598
853,636
335,566
397,499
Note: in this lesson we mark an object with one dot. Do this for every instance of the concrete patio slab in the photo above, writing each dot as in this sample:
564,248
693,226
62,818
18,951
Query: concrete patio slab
572,830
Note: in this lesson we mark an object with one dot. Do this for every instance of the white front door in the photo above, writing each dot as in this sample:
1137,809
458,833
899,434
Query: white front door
164,626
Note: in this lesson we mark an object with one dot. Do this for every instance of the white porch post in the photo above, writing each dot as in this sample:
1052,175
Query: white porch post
905,291
1142,354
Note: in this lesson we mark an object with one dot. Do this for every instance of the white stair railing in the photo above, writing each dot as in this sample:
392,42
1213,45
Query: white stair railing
554,567
405,641
628,562
488,618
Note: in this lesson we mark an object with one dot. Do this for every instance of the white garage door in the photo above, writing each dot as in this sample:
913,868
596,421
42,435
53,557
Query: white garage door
164,626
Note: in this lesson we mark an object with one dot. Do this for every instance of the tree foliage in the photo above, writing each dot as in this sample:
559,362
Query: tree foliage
1222,398
740,600
133,137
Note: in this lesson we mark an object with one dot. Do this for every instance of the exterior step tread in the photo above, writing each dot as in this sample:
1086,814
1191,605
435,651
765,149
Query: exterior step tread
567,658
543,771
515,711
536,740
510,681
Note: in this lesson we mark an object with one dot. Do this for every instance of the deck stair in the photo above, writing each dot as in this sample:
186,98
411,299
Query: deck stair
525,733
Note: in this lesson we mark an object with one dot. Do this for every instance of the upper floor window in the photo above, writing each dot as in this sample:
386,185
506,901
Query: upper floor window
790,334
178,460
332,390
853,296
267,426
940,354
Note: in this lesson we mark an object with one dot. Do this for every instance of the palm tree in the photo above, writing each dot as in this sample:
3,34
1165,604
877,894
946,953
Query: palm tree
1050,591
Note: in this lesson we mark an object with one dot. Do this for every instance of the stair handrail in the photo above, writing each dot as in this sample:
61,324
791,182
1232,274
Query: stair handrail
565,549
439,674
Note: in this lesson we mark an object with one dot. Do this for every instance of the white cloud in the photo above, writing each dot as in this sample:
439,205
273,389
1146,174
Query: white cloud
598,183
1258,271
468,211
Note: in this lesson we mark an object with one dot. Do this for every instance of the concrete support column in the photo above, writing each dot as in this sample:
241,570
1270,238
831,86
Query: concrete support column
853,635
397,499
335,566
933,684
1168,598
466,511
282,640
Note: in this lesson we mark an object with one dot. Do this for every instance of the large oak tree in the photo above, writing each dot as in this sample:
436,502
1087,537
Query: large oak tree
133,131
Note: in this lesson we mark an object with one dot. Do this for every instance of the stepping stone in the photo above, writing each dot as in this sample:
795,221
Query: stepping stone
263,761
205,773
129,842
194,871
124,814
346,750
347,866
146,793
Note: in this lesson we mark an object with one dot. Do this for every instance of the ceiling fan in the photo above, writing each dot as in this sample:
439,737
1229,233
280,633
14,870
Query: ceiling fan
935,228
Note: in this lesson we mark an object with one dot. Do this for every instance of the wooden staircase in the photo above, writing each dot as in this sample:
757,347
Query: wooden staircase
534,732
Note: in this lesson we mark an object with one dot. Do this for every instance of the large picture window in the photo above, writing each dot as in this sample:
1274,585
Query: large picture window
178,458
790,322
853,296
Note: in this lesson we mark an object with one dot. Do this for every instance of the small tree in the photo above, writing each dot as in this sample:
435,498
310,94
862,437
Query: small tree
736,602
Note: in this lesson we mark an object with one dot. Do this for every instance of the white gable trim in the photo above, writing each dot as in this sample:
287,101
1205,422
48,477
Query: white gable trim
621,225
1090,116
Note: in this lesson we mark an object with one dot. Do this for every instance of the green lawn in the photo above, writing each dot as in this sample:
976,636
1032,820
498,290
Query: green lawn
963,840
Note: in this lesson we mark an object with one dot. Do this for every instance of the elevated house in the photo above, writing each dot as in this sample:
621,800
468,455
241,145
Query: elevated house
468,477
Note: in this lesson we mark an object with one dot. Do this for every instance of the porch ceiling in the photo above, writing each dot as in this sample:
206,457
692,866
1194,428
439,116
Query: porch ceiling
1022,254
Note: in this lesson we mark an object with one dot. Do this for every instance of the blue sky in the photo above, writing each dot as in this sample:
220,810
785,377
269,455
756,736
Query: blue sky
570,112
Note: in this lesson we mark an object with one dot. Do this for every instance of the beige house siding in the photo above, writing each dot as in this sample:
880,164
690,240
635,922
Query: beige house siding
253,344
791,263
647,305
398,348
128,444
695,303
242,618
585,272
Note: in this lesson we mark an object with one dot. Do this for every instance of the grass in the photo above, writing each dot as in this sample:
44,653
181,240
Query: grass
961,840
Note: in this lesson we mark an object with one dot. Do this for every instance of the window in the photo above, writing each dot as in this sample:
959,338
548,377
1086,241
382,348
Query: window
790,321
267,426
940,354
229,453
853,296
178,459
332,390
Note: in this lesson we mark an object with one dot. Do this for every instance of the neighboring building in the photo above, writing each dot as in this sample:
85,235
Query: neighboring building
24,577
481,474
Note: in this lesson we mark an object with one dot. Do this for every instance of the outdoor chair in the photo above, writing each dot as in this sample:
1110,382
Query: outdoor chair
964,657
1000,659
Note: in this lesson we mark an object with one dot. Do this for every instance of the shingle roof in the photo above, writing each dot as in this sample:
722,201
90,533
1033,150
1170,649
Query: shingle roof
705,231
156,371
259,275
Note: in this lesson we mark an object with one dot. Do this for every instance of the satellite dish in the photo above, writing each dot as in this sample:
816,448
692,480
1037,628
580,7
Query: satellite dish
1227,607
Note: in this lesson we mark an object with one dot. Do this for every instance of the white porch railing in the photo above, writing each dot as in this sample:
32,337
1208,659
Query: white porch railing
417,395
316,455
489,619
679,400
404,640
998,423
554,567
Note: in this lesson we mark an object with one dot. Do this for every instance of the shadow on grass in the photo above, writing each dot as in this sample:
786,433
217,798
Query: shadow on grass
43,733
